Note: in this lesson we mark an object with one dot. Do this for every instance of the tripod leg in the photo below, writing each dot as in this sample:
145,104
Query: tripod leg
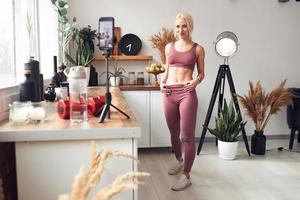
236,104
210,109
127,116
221,91
221,94
103,113
98,113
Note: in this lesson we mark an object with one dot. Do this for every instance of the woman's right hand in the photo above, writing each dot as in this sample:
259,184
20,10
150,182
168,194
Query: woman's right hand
164,89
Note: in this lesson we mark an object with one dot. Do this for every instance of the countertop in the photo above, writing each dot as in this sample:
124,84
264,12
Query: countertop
54,128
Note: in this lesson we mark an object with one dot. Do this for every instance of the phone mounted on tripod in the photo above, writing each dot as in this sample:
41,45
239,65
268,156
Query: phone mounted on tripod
106,34
106,44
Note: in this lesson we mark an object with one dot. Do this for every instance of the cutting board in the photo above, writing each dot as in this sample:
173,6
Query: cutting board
117,33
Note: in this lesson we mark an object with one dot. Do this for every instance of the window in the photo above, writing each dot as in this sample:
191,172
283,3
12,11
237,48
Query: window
27,28
7,70
48,37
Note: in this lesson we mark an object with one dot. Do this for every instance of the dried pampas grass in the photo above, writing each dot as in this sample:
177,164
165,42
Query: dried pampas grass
160,40
122,183
260,105
86,179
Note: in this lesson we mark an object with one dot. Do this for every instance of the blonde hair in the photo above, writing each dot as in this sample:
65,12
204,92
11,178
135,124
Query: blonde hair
188,19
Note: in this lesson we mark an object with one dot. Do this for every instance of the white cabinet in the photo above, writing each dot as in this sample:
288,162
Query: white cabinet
148,109
139,104
160,135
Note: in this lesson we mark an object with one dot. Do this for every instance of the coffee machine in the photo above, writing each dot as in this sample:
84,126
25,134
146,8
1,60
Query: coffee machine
32,67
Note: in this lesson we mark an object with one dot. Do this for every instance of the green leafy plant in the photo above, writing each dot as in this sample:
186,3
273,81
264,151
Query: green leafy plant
228,125
88,35
83,54
66,28
118,72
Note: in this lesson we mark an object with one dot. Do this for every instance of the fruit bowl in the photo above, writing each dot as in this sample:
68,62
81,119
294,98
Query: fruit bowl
155,69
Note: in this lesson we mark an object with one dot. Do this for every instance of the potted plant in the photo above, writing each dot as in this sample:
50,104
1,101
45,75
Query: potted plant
83,55
115,76
88,35
228,125
260,106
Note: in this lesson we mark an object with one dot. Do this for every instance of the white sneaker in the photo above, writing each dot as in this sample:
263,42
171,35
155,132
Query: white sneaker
175,168
182,183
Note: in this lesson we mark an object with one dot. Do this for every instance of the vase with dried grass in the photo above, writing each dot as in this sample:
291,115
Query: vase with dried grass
160,40
260,106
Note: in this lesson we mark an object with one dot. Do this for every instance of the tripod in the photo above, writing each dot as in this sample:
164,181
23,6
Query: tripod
224,71
105,109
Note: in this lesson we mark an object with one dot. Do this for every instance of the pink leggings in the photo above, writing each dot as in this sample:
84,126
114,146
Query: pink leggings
180,109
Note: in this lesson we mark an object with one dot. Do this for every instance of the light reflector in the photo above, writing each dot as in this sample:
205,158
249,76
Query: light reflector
226,44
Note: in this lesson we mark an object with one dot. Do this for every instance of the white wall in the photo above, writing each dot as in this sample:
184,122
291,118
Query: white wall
268,34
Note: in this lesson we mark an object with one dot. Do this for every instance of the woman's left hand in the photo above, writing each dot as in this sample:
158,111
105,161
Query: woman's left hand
191,85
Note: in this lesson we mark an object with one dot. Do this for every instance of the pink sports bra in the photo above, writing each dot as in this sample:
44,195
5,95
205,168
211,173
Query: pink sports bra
186,59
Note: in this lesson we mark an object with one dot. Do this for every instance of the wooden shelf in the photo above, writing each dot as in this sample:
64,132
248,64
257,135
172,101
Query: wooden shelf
124,58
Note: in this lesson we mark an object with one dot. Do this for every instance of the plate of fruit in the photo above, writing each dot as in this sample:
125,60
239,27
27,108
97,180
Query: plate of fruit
155,68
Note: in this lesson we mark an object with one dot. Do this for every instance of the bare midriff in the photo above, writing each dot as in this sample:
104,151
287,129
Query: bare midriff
179,75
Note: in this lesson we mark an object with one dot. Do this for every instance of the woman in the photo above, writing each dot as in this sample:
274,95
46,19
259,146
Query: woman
180,100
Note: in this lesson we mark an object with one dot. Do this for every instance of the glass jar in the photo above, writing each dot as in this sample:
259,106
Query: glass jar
24,112
18,112
37,112
140,78
131,78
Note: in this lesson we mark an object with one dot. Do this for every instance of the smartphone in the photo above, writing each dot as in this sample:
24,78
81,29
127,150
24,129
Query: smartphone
106,33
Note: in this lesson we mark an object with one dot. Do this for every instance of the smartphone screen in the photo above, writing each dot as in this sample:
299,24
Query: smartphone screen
106,33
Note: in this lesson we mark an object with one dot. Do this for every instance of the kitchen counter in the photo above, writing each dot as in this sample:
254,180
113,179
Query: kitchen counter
50,154
54,128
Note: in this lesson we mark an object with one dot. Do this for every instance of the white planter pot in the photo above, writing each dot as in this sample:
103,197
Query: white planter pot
227,150
87,72
114,81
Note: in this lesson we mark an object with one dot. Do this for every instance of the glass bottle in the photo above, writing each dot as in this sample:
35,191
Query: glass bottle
140,78
131,78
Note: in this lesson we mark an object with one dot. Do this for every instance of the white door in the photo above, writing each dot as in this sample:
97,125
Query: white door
139,104
160,136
